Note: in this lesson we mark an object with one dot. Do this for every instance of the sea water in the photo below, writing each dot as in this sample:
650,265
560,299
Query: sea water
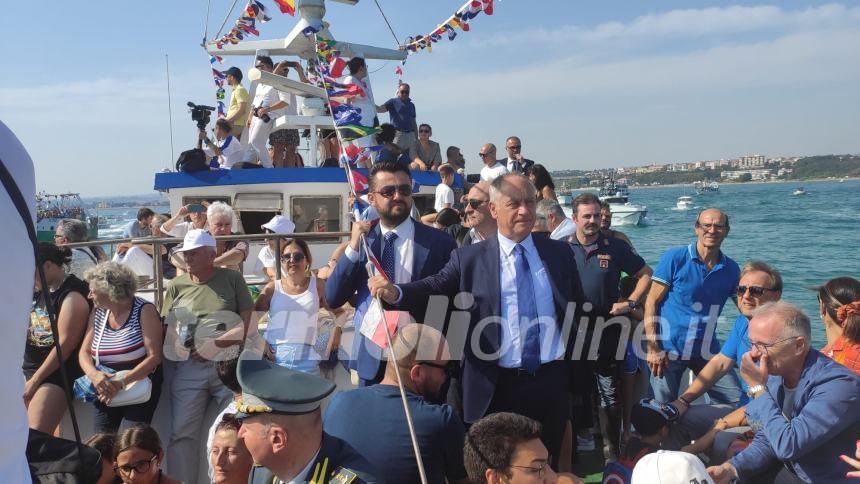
810,239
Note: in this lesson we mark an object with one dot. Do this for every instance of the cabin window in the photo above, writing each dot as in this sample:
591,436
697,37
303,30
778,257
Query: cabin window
316,214
255,209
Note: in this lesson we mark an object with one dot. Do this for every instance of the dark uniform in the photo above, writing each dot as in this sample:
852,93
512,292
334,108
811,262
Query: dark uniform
269,388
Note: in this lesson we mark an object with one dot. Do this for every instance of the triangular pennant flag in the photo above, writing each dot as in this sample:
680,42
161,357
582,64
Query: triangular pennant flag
287,6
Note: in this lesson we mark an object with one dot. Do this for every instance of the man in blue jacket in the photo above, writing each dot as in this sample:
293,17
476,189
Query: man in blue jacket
407,251
804,405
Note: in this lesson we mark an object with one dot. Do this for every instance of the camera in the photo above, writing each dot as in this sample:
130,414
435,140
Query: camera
200,114
265,117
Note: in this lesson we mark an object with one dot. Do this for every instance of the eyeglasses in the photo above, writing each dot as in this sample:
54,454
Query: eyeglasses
515,147
539,471
475,203
58,236
716,227
755,291
448,369
140,467
295,257
388,191
764,347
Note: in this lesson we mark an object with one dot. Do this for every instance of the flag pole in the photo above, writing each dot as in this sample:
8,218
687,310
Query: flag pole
341,152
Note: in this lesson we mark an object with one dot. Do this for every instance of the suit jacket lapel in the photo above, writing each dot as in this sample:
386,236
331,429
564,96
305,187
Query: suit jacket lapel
420,253
374,241
493,267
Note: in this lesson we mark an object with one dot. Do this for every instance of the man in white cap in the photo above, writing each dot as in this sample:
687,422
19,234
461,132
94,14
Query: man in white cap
267,259
207,310
668,467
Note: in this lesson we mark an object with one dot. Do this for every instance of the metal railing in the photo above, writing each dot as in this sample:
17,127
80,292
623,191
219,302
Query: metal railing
158,242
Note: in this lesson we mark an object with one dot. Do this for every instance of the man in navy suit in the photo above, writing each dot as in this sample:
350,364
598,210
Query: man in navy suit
407,251
520,313
515,162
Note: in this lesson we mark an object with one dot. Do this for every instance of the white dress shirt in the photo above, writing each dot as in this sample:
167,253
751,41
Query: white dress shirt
512,338
404,245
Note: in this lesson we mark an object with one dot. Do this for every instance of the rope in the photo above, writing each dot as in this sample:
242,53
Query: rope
226,17
387,22
206,23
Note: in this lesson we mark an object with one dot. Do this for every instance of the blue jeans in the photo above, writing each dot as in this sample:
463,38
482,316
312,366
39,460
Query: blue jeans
298,356
727,390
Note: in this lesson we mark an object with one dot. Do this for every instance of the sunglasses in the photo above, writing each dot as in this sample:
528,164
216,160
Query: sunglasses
404,92
515,147
755,291
448,369
295,257
423,130
484,155
475,203
388,191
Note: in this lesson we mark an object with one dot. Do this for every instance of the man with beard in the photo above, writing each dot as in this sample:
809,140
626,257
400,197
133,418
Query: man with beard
407,251
600,261
381,434
518,326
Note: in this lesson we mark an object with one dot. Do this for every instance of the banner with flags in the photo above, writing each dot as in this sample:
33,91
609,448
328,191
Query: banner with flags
220,78
246,25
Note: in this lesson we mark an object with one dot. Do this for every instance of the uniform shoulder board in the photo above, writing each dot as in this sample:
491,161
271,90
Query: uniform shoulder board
343,475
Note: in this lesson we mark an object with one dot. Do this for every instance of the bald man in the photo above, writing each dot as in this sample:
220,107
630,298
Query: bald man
691,286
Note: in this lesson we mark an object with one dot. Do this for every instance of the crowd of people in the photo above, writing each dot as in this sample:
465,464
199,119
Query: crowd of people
535,329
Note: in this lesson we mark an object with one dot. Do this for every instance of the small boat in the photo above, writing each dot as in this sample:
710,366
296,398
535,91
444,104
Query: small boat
565,200
684,203
799,191
706,187
618,198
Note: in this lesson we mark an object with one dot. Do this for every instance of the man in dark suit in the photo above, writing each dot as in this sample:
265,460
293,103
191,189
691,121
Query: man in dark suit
407,251
521,291
515,161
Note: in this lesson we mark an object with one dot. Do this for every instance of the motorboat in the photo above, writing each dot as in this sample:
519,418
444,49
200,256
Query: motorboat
618,197
799,191
684,203
706,187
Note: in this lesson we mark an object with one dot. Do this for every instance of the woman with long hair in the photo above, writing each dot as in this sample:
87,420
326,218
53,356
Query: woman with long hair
43,393
293,304
425,153
539,175
839,305
230,460
139,456
124,332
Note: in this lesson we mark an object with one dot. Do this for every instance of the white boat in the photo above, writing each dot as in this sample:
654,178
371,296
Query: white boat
684,203
618,198
799,191
706,187
565,200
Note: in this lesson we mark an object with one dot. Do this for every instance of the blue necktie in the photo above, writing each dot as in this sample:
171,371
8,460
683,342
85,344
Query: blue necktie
528,313
388,255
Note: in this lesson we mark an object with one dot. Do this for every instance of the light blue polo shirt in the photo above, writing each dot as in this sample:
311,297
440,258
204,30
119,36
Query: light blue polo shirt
738,343
695,299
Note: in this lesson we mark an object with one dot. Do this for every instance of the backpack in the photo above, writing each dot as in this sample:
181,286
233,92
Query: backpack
192,161
58,461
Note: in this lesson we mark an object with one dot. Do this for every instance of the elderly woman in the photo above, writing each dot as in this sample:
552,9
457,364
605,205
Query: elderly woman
125,333
43,392
426,154
293,304
228,254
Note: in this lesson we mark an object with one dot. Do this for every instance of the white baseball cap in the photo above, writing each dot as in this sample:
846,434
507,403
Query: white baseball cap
669,467
196,238
280,225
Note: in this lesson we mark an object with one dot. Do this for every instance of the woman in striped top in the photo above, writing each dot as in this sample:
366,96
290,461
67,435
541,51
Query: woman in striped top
124,333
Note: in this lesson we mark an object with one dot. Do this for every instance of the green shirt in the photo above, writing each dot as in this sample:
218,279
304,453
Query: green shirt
219,300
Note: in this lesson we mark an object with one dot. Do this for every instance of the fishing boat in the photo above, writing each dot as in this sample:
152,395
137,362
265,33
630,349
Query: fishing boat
618,197
52,208
684,203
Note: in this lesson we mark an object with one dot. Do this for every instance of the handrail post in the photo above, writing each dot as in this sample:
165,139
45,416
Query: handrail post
277,257
159,274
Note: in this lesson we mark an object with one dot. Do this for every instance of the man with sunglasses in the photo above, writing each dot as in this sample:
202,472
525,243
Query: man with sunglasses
407,251
804,404
401,113
525,290
515,161
692,284
380,434
492,168
264,110
760,284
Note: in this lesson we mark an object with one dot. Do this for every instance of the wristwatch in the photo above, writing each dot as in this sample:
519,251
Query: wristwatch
632,304
755,389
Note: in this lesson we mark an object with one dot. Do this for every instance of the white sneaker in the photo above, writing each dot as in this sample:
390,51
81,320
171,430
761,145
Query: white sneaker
585,445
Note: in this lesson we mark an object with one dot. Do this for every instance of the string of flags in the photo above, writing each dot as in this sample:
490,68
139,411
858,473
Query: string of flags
246,24
459,20
219,78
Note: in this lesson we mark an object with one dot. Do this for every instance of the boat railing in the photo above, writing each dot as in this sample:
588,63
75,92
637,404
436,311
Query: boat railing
159,242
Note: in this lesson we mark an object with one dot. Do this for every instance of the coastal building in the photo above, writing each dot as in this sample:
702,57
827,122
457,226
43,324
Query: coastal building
755,175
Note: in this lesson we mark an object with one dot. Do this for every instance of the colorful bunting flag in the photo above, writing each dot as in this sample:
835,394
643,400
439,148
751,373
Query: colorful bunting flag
460,20
287,6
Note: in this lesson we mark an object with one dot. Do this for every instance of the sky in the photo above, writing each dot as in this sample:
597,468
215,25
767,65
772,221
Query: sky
584,83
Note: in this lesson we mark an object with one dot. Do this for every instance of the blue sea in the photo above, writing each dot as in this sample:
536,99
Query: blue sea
809,239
